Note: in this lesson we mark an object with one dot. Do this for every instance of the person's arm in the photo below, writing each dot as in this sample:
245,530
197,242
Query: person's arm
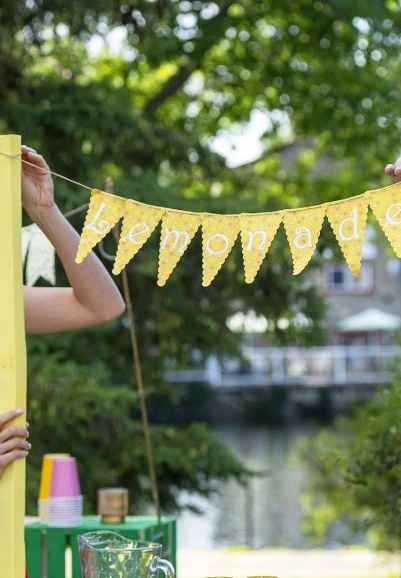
13,439
394,170
93,297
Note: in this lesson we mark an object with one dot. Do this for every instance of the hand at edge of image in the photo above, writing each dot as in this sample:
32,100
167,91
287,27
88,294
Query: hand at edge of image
394,170
13,439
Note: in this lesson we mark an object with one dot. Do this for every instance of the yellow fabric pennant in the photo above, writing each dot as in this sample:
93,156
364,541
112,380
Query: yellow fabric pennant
178,230
303,229
386,206
348,221
104,212
257,234
219,233
138,225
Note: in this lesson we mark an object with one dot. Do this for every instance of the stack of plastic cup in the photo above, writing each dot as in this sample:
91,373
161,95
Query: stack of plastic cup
64,504
45,484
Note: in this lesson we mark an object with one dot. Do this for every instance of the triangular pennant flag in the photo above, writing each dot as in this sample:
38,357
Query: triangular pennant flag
348,221
139,223
257,234
25,241
303,229
103,213
178,230
40,256
386,206
218,238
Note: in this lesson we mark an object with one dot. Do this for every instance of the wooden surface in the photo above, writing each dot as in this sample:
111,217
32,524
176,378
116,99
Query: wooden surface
12,355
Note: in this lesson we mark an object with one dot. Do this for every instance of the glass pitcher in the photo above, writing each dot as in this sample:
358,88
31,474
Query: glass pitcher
106,554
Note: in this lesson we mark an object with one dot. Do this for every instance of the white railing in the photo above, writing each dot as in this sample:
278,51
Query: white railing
313,367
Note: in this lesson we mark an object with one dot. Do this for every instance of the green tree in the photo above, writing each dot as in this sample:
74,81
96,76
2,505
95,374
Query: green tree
74,408
355,474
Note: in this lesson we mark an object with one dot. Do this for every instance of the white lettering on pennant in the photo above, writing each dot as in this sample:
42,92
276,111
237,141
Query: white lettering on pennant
178,236
100,227
393,214
138,229
303,238
251,238
353,222
216,237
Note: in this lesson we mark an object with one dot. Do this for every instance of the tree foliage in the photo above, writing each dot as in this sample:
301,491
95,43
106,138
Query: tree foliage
355,474
79,409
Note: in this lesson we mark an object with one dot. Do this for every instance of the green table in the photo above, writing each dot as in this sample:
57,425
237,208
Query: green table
46,547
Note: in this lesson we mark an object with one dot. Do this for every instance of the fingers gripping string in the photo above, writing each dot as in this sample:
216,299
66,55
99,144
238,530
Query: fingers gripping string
48,171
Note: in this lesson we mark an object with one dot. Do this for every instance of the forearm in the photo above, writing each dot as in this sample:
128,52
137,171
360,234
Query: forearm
92,285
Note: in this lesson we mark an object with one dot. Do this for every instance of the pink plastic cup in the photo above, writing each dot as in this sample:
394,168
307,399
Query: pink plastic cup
65,480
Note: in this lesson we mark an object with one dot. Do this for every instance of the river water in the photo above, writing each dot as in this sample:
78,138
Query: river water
269,512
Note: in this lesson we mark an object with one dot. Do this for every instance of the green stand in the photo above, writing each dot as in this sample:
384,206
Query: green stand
46,547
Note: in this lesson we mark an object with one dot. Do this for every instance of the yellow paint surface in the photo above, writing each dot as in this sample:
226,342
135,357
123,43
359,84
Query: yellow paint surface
12,355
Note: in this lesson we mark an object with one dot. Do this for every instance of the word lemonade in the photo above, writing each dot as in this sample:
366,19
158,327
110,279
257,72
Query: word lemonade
257,231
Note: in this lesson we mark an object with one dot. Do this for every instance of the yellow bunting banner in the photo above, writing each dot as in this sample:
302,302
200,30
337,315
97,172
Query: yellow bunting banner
386,206
139,223
348,221
219,233
303,229
257,234
178,230
104,212
347,218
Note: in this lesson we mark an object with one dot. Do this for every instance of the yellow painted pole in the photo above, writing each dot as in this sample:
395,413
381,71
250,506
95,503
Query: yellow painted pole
12,355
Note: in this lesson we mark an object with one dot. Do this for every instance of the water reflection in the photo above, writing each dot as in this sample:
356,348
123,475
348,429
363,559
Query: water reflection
268,512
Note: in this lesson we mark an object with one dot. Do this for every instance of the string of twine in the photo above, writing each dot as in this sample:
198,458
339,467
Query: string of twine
77,183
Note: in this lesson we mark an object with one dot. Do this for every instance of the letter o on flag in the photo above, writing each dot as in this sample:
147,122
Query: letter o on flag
217,238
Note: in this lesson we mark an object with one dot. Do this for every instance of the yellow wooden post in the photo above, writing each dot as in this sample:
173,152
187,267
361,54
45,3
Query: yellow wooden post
12,354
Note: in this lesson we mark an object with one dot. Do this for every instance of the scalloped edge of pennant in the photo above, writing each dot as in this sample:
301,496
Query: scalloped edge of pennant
161,283
382,227
86,244
323,206
230,248
251,279
118,271
356,273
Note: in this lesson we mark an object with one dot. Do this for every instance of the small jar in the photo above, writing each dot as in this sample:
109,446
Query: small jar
112,505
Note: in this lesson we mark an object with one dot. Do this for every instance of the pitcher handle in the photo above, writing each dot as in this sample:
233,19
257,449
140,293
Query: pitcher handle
166,567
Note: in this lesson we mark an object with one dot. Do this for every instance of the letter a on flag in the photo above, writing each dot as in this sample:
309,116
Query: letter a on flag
303,229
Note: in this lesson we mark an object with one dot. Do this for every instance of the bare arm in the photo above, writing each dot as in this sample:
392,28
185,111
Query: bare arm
93,297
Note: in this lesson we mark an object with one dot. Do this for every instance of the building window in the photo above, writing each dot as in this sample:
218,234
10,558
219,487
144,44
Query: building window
338,279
